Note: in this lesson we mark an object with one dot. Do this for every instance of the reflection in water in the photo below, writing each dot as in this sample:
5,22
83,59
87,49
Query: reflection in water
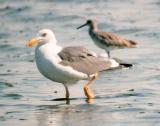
79,115
121,108
73,115
90,101
67,101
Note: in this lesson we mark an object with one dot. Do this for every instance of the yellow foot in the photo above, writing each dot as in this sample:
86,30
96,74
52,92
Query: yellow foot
89,101
88,93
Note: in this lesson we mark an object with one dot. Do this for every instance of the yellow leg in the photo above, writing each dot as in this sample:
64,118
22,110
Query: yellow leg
86,88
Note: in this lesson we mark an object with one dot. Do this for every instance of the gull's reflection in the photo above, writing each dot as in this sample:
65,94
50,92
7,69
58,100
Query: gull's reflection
78,114
67,101
67,115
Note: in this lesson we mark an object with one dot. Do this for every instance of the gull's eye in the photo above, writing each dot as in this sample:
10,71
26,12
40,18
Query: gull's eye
44,35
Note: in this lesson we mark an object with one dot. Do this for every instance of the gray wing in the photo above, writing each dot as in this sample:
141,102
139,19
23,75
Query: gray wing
111,39
83,60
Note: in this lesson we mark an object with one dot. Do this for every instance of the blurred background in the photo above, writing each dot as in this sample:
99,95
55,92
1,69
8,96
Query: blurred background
125,97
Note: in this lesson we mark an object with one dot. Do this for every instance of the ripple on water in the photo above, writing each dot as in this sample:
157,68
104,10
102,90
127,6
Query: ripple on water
4,35
5,85
11,10
13,96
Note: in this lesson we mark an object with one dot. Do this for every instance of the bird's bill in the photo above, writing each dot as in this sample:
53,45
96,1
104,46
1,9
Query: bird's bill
82,26
32,42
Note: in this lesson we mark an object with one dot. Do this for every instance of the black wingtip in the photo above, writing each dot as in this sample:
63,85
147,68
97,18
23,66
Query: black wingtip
123,63
128,65
133,43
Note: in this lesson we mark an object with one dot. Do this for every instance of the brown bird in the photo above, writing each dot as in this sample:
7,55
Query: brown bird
106,40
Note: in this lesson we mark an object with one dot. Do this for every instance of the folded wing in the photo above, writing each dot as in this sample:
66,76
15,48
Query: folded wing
83,60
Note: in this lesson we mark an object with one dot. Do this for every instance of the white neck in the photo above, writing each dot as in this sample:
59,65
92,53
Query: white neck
48,50
52,39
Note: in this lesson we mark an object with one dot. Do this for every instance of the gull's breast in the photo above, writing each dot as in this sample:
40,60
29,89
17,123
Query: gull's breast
48,65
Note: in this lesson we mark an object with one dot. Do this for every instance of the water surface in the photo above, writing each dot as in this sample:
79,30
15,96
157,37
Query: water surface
125,97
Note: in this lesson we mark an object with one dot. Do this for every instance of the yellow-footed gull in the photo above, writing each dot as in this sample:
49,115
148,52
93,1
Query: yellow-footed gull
68,65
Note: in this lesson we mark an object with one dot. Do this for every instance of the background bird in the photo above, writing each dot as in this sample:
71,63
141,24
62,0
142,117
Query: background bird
106,40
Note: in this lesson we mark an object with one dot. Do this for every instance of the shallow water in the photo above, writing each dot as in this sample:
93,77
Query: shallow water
125,97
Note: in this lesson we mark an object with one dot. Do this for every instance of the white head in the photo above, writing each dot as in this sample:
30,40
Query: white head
44,36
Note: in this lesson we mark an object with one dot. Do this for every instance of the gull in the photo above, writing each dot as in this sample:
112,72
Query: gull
68,65
106,40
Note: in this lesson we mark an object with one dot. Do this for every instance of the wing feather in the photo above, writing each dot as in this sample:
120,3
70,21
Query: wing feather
83,60
111,39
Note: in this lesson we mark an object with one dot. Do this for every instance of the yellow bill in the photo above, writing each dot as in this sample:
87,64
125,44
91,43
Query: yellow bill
32,42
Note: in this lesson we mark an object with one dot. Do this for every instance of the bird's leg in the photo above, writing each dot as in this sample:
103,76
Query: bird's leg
87,90
108,53
67,94
67,91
